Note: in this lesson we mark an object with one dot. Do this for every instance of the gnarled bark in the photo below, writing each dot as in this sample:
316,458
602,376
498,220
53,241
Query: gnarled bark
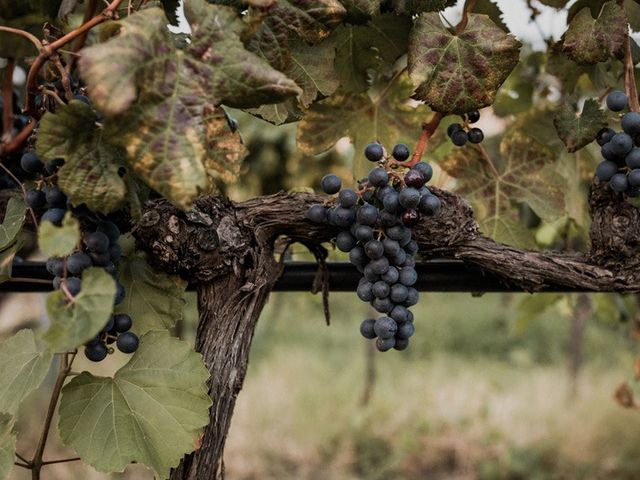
227,249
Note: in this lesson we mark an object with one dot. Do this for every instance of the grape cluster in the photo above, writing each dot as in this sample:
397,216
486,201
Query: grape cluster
460,134
620,151
375,224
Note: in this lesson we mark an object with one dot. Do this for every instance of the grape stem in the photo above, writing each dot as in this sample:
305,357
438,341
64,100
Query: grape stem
469,5
7,95
427,132
49,49
487,158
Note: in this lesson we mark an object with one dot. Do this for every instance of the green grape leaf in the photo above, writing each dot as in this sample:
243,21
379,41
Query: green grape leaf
59,241
489,8
73,324
413,7
516,94
390,119
589,40
311,67
362,48
520,173
14,217
154,299
562,67
90,172
459,73
577,132
7,444
168,93
23,366
152,411
6,260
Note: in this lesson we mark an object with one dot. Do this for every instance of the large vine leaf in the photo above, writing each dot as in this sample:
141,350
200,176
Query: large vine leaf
14,217
362,48
152,411
591,40
23,366
90,172
459,73
522,172
7,444
154,299
390,119
59,241
311,67
413,7
361,9
579,132
168,93
489,8
516,94
73,324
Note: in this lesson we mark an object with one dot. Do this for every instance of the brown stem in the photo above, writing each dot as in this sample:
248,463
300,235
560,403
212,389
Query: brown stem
63,370
629,77
20,457
17,141
62,460
64,76
23,465
468,8
7,96
427,132
487,158
47,50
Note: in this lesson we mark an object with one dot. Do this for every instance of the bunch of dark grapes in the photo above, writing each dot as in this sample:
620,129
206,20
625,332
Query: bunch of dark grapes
461,134
376,223
620,150
100,248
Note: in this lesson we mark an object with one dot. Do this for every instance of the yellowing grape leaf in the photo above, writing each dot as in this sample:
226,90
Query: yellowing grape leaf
522,172
23,366
90,172
161,96
459,73
59,241
591,40
154,299
152,411
390,119
577,132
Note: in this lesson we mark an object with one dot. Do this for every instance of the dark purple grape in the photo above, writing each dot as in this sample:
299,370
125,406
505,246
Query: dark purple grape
97,242
391,276
631,123
621,144
380,289
475,135
55,197
401,152
408,276
409,197
74,285
35,199
97,352
345,241
633,158
379,266
374,249
400,314
425,169
398,293
634,178
367,215
384,345
317,213
330,184
378,177
365,291
367,330
606,170
78,262
619,182
406,330
53,215
413,178
347,198
127,342
473,116
617,101
55,266
605,135
374,152
364,233
30,162
382,305
453,128
385,327
411,217
401,343
110,229
429,205
459,138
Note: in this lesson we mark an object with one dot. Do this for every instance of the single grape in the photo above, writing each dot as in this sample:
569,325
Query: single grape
473,116
429,205
619,182
413,178
385,327
631,123
384,345
385,190
74,285
401,343
53,215
357,257
621,144
605,170
97,242
344,217
391,247
391,276
127,342
605,135
411,248
425,169
379,266
406,330
633,158
409,197
459,138
398,293
317,213
367,215
367,330
374,249
401,152
374,152
368,196
380,289
31,163
391,202
453,128
35,199
400,314
345,241
78,262
617,101
330,184
52,166
408,276
110,229
55,266
387,219
347,198
399,259
412,298
100,259
382,305
364,233
55,197
365,291
122,322
378,177
475,135
97,352
608,153
370,274
396,232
